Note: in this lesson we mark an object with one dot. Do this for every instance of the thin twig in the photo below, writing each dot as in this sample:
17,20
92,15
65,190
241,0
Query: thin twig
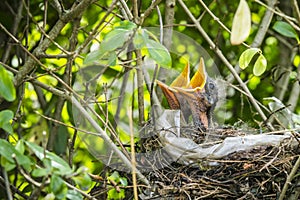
105,137
14,189
296,9
54,32
150,8
7,185
139,72
133,160
289,179
15,26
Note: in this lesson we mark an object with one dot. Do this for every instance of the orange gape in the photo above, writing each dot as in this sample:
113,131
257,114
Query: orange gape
196,97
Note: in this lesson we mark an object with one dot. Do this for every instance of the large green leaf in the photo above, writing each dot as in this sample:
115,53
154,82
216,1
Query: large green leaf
285,29
260,65
247,56
5,117
56,162
159,53
7,88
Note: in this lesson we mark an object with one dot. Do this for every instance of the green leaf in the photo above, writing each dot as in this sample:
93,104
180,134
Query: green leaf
260,66
247,56
7,164
61,142
114,39
139,40
20,146
58,187
159,53
115,176
285,29
74,195
128,25
5,117
123,181
56,162
98,57
114,194
7,88
40,172
83,180
7,150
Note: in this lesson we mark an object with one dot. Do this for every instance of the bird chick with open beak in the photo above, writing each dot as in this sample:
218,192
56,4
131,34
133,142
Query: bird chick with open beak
196,97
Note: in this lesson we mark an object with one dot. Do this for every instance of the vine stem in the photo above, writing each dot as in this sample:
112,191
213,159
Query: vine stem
226,62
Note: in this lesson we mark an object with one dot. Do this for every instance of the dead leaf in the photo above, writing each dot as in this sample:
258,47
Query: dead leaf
241,24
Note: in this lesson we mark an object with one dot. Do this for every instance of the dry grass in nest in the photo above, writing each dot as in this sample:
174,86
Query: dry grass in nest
257,174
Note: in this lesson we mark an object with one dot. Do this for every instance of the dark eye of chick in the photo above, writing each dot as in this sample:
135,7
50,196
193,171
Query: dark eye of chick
211,86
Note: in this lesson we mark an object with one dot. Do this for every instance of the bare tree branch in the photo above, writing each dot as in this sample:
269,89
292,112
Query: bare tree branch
30,63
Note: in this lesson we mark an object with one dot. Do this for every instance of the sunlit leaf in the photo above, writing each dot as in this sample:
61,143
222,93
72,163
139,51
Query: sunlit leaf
159,53
260,65
5,117
246,57
114,194
7,88
285,29
241,24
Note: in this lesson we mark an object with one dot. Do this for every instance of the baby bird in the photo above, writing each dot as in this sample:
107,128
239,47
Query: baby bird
196,97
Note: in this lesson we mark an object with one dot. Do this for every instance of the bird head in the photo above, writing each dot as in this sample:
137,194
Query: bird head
196,97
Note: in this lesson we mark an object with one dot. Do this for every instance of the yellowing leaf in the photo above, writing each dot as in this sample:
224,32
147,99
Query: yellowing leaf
241,24
260,66
247,56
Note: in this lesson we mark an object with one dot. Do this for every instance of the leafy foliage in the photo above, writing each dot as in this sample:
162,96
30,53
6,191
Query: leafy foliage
90,50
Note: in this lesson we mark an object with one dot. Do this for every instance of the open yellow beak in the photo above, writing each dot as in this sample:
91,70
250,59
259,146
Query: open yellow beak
188,95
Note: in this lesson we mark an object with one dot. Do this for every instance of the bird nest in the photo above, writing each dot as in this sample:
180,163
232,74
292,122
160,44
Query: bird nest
260,172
